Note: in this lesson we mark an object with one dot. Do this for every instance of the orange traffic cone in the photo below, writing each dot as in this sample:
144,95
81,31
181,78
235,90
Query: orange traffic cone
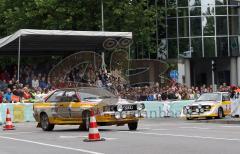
8,125
93,130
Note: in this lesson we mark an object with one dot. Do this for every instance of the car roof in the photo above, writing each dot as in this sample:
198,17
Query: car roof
78,88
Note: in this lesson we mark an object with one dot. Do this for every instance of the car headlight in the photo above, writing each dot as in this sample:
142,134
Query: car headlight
117,115
119,108
124,115
139,106
136,114
202,110
143,114
208,107
197,110
185,111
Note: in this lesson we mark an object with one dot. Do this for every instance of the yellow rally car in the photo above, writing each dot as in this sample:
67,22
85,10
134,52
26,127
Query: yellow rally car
208,105
72,107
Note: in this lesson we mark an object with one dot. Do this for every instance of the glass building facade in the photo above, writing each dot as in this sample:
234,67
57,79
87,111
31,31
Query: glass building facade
209,28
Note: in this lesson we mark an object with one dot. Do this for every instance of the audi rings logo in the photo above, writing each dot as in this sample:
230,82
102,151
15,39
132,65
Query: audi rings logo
111,43
125,42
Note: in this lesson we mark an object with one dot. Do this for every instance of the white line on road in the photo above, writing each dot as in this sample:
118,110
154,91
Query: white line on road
231,126
70,137
160,129
15,133
185,136
50,145
193,128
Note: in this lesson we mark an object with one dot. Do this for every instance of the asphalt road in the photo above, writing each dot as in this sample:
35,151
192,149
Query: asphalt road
161,136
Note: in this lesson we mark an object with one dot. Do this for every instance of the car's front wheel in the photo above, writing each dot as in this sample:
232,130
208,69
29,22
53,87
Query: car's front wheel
46,126
133,125
85,121
220,113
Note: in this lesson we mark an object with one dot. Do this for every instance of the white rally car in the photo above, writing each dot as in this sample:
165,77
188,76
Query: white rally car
208,105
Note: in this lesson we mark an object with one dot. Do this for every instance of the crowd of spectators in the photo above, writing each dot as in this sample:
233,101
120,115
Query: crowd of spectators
31,83
34,82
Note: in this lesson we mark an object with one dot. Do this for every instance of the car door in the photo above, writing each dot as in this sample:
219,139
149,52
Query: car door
74,106
60,103
226,103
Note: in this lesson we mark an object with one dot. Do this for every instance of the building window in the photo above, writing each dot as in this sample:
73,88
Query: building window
208,26
171,3
232,2
207,10
183,45
208,2
221,10
183,3
183,12
221,2
222,46
172,48
209,47
221,22
194,2
234,25
172,28
196,44
195,11
233,10
234,46
183,27
196,26
172,12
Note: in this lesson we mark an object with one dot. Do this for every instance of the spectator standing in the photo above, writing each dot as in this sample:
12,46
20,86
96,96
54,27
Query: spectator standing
1,97
35,83
8,95
42,83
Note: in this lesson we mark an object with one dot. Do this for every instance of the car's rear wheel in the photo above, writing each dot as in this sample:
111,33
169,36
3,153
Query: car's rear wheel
133,125
86,121
46,126
220,113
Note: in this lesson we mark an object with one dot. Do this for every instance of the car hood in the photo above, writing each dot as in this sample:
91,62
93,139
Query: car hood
110,101
203,103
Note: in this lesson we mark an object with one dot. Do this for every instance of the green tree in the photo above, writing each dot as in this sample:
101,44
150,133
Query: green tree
137,16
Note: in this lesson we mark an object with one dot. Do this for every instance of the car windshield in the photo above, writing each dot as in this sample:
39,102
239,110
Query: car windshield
94,93
210,97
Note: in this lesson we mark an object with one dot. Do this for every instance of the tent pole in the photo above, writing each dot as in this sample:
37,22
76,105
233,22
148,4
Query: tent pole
103,56
102,12
19,51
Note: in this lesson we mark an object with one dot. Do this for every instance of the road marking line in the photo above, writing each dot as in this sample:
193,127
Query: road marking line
50,145
186,136
144,128
70,137
160,129
15,133
231,126
193,128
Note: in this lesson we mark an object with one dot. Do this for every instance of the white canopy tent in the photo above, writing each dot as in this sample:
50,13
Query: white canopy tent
54,42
